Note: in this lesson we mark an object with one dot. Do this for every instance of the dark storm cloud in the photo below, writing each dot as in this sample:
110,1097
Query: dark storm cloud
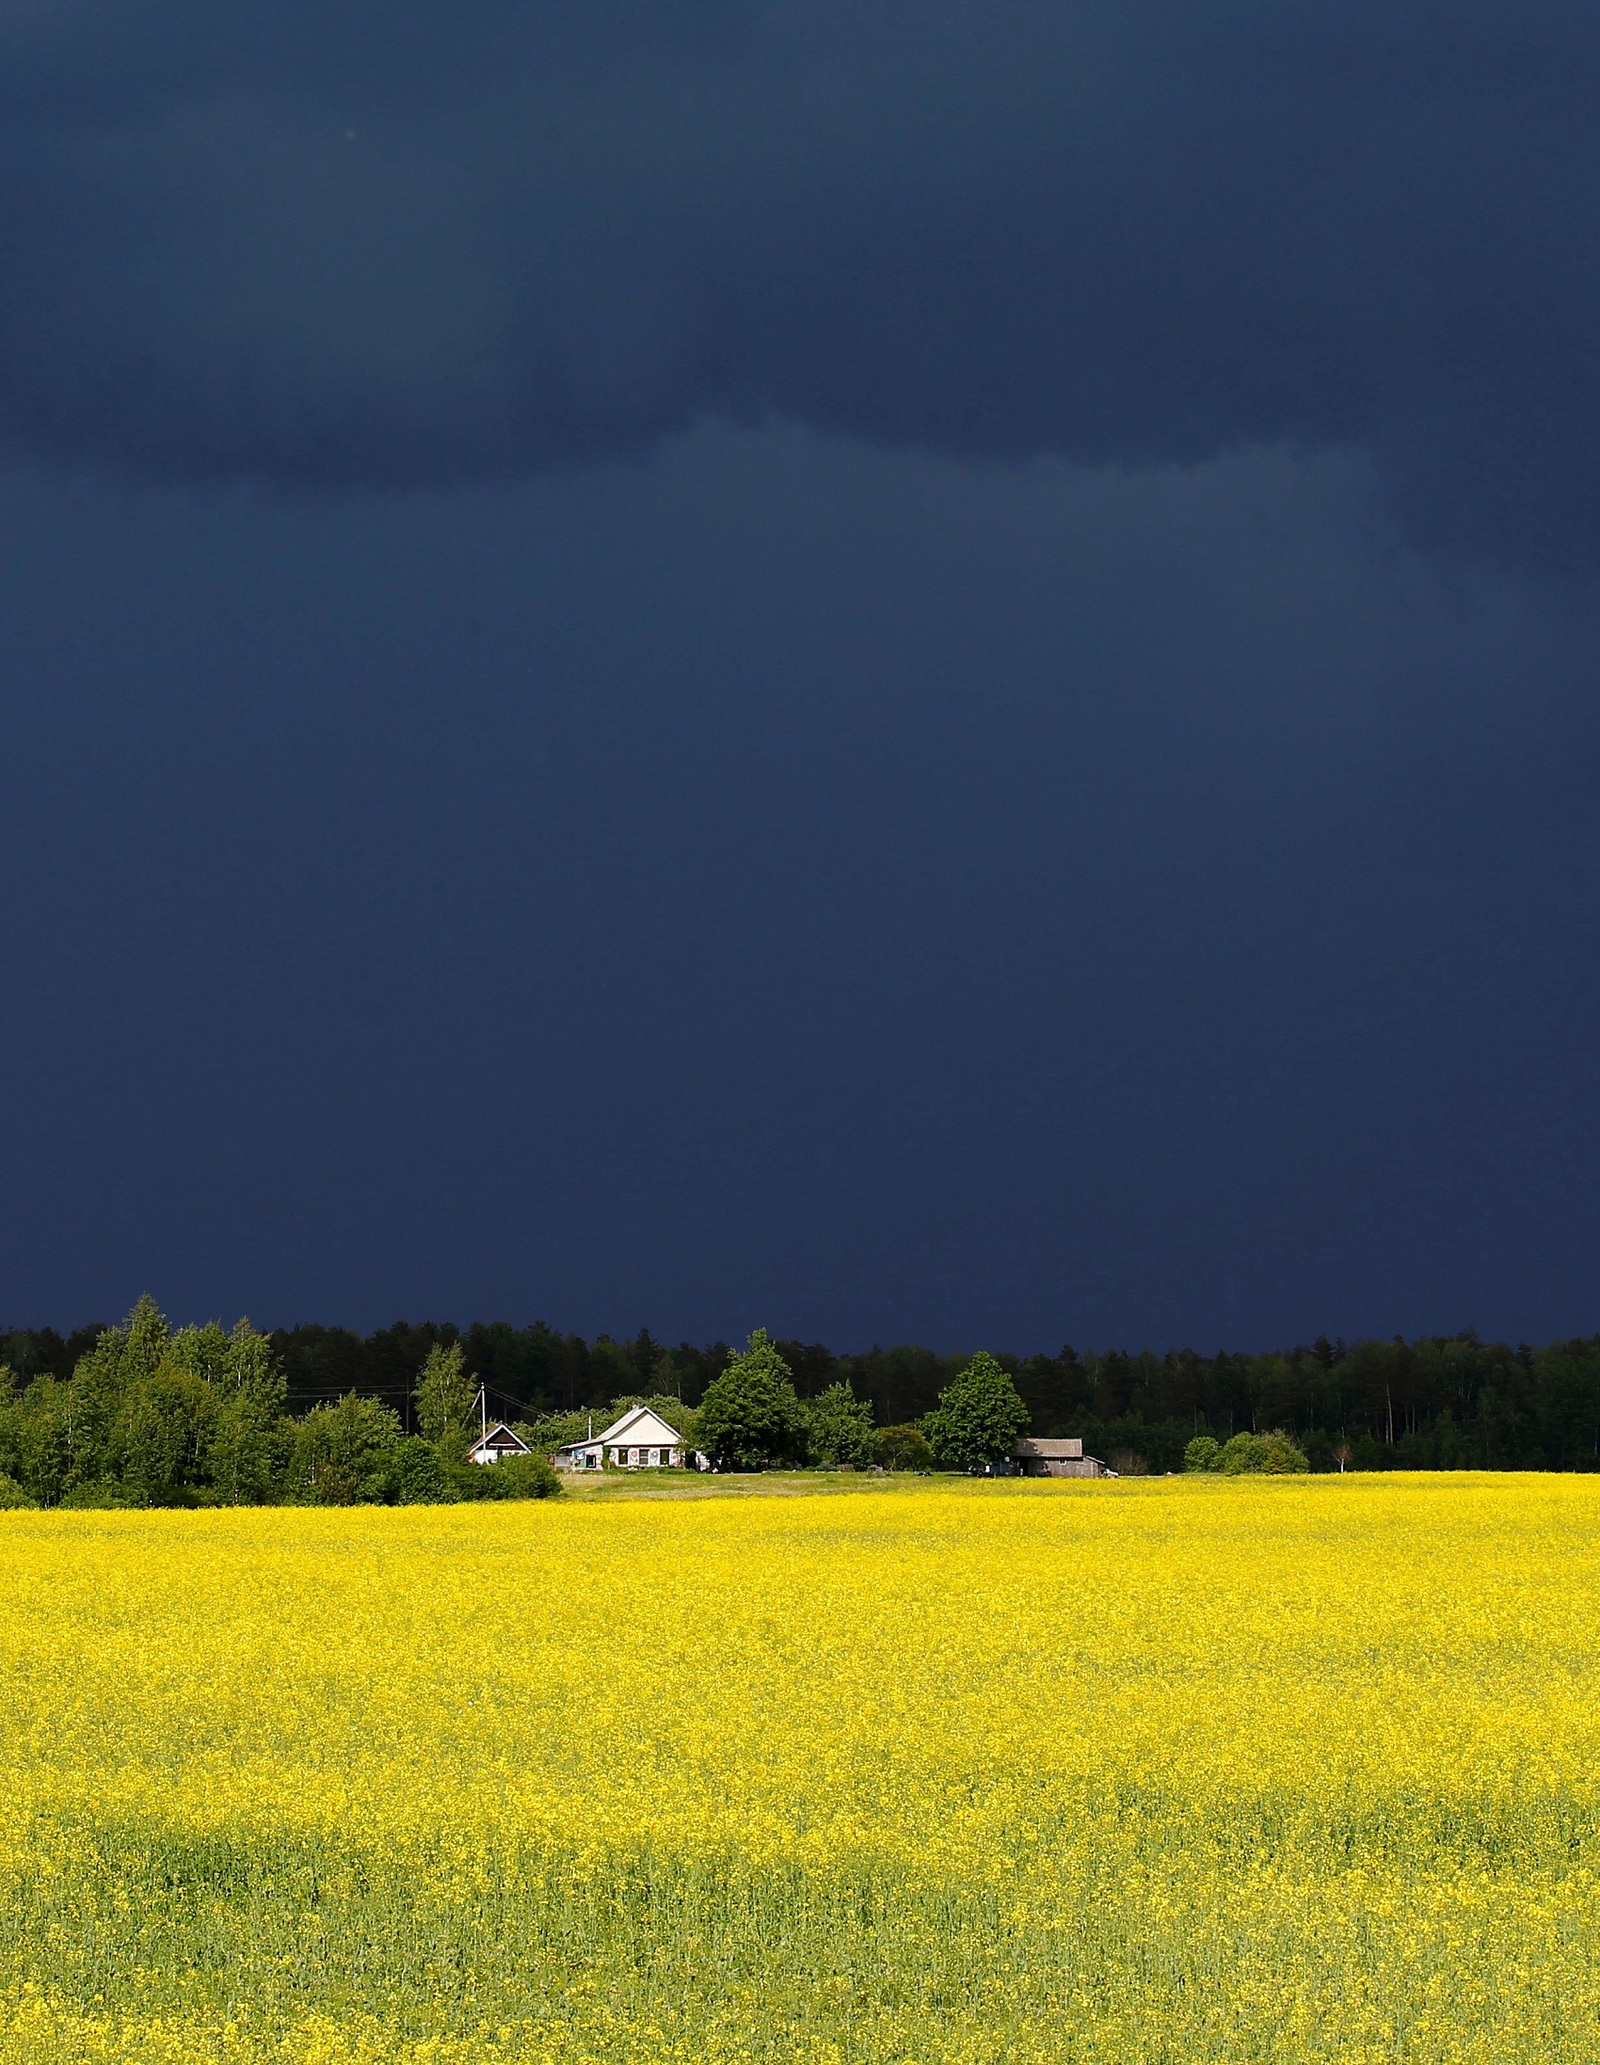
397,244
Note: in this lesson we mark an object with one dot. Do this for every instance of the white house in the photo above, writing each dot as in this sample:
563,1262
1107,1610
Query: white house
495,1442
640,1440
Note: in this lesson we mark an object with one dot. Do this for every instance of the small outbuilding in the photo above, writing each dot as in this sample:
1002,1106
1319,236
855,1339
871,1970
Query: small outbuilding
1037,1456
495,1443
640,1440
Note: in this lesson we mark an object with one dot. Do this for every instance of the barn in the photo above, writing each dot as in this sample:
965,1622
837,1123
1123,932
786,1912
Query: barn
1041,1457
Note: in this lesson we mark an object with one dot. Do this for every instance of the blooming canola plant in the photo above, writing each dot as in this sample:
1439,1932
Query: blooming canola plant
1162,1770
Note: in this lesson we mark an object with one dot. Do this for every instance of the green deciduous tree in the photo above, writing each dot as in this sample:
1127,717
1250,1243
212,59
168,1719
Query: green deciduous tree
153,1417
38,1440
979,1417
102,1388
161,1435
839,1427
1203,1453
251,1440
444,1396
345,1454
750,1416
551,1431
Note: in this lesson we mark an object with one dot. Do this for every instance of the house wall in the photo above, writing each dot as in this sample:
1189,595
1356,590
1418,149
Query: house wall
626,1455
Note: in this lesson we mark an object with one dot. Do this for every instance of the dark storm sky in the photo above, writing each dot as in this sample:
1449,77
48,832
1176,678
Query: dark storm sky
892,668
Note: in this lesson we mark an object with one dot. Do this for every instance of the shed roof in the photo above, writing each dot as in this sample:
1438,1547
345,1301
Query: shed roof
1050,1449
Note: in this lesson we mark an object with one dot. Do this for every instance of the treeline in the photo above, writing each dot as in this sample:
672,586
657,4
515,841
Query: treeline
1423,1405
151,1416
1437,1403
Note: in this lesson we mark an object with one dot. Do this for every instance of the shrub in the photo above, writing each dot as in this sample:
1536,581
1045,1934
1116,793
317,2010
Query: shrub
1203,1453
1281,1458
420,1476
904,1448
1254,1455
517,1477
103,1495
12,1496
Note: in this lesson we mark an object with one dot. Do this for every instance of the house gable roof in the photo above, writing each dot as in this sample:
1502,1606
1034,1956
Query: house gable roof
639,1426
1047,1448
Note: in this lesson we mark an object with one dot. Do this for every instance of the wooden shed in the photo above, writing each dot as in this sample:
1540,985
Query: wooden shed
1040,1456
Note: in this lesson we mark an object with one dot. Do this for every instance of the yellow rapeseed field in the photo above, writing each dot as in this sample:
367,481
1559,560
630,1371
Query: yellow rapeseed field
1187,1770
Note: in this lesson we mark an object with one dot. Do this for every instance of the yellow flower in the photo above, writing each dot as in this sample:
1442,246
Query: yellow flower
1277,1770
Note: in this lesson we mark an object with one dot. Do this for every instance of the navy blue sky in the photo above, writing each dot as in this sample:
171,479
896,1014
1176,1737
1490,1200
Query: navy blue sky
894,671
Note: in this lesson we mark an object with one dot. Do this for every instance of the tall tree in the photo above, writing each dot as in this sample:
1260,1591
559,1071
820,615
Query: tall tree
102,1386
750,1416
444,1394
978,1418
250,1439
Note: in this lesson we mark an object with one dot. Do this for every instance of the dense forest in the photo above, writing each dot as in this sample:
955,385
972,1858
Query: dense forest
1436,1403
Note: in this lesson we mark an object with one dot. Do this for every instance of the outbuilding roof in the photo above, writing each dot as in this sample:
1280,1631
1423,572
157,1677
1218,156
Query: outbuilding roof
500,1436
